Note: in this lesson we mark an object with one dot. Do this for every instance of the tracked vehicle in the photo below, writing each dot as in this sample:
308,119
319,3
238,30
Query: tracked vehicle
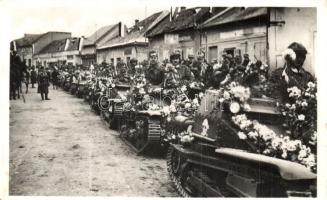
219,164
112,102
142,124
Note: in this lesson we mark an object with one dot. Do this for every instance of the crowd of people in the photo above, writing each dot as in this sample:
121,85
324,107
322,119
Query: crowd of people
176,71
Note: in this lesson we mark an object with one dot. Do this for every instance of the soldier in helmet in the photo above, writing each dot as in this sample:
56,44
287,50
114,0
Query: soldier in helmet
184,73
133,62
43,84
292,74
154,73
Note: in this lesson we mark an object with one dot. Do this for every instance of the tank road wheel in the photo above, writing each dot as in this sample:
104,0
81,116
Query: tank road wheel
174,163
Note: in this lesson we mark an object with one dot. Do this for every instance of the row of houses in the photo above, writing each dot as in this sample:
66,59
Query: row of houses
263,33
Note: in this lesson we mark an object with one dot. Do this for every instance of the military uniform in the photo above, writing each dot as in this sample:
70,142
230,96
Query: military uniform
292,74
43,85
155,74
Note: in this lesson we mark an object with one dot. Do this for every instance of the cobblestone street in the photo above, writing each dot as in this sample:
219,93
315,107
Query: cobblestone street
60,147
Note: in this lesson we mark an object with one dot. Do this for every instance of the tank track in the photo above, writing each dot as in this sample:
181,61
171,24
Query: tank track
176,179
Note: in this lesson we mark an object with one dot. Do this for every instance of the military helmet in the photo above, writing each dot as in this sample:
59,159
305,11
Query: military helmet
175,55
153,53
133,60
299,49
200,54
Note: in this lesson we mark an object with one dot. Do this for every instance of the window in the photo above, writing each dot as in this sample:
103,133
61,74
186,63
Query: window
112,60
213,53
230,51
118,60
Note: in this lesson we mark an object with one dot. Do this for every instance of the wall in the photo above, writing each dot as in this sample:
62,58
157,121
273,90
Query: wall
187,41
139,52
300,26
246,37
72,57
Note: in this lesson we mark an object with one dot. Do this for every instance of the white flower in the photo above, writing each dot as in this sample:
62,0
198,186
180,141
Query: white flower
277,142
294,91
301,117
234,107
267,151
187,105
201,94
302,154
184,88
195,101
226,95
309,161
166,110
288,105
247,107
253,134
304,104
284,154
192,85
289,52
241,135
172,108
292,145
311,85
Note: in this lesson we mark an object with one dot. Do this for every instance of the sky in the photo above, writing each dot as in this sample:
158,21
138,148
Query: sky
79,19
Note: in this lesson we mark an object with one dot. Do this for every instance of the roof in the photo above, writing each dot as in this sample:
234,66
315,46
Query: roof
27,40
185,19
30,39
235,14
60,45
137,32
73,44
91,40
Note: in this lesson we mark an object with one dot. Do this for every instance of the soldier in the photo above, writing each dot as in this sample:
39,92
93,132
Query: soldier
33,76
55,80
184,73
154,73
26,79
292,74
43,84
133,62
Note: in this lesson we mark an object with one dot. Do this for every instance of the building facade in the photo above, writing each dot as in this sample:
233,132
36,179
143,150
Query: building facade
101,36
31,44
236,31
289,25
61,52
133,44
178,32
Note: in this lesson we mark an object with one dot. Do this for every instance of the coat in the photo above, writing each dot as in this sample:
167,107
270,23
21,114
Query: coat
43,82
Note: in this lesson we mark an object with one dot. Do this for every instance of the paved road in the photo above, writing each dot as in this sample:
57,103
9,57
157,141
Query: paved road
59,147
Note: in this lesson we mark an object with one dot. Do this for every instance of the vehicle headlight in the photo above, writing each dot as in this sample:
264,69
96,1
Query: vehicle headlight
234,107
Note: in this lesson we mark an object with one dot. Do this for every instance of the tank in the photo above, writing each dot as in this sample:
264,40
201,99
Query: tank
112,104
218,164
97,90
142,122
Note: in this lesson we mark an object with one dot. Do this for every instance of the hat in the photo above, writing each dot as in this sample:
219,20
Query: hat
299,49
153,53
175,55
200,54
133,60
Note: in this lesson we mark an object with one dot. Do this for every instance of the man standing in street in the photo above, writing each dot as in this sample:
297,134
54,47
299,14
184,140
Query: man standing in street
43,84
33,76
